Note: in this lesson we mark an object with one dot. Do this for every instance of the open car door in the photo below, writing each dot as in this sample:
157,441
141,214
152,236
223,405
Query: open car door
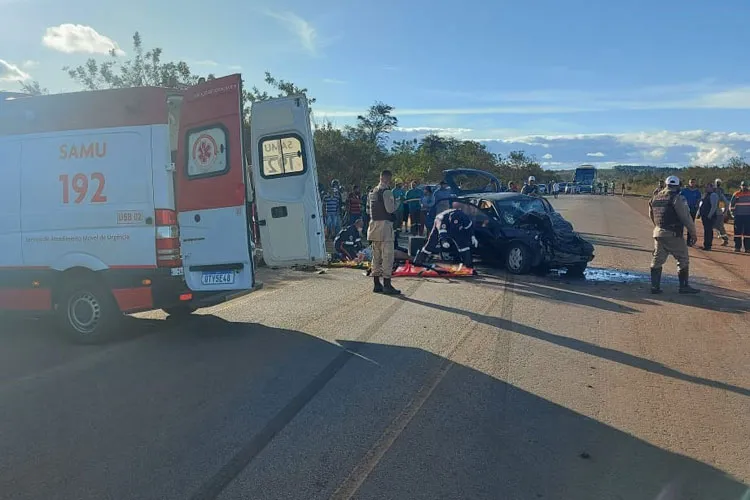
285,179
211,193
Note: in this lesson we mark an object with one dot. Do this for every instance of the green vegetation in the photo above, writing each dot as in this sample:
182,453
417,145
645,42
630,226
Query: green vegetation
355,154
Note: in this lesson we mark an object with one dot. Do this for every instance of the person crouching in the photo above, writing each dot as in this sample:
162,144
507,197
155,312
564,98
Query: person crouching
449,224
348,243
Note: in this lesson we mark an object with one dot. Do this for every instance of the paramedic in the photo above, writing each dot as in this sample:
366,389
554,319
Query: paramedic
349,241
381,207
740,206
449,224
669,212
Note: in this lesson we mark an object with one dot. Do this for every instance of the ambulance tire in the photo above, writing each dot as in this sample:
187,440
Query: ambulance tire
180,312
87,312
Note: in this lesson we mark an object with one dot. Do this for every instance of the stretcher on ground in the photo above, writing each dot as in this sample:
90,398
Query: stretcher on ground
442,270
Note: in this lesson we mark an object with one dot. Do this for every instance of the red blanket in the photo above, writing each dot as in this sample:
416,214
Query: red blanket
436,270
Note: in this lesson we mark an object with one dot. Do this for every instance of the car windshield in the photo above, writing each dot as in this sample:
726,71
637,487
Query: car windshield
521,205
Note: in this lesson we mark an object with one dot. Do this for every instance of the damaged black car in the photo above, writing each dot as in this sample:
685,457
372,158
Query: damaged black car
524,234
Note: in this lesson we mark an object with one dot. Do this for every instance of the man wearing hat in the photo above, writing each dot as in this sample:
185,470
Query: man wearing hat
740,207
670,214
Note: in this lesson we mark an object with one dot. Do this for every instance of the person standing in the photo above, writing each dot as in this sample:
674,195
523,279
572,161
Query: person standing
708,206
740,207
399,195
413,196
427,203
331,204
623,190
720,214
669,212
530,188
365,215
556,189
659,188
381,207
354,205
692,195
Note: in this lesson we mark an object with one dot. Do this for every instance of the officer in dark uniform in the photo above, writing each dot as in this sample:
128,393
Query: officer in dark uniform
349,241
670,214
449,224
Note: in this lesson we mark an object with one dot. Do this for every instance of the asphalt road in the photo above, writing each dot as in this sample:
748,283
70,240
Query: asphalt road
494,387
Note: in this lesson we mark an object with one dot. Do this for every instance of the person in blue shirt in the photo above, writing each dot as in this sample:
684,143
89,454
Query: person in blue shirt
332,206
692,194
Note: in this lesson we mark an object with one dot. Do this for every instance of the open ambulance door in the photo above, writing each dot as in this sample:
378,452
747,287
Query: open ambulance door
211,193
285,178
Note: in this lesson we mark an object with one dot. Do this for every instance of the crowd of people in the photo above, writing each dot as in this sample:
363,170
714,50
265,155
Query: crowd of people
706,205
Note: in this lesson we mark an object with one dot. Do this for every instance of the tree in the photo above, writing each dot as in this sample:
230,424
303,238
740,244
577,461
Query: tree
281,88
144,69
33,88
376,124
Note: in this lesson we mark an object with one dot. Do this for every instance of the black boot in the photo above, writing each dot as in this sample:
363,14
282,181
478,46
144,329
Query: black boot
388,288
684,286
655,280
377,287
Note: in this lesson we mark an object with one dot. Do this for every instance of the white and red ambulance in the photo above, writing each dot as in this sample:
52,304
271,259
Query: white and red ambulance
126,200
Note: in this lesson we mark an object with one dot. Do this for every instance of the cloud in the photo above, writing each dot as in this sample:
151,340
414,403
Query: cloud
598,154
12,73
334,81
234,67
73,38
303,30
663,148
28,64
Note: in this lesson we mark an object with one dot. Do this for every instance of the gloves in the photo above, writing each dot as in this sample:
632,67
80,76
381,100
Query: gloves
474,241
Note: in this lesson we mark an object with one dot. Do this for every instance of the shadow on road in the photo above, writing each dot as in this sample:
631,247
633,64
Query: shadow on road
585,347
252,411
602,294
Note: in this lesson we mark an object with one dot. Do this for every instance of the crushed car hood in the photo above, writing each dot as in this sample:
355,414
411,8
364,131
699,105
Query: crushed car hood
557,232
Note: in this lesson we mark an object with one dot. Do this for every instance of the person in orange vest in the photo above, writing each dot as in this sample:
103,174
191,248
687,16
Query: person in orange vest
740,208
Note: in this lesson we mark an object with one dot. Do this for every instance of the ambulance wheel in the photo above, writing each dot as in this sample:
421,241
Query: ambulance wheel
518,259
87,312
181,311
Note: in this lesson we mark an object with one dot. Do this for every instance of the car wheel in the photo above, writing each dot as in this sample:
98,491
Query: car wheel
576,270
180,312
87,312
518,259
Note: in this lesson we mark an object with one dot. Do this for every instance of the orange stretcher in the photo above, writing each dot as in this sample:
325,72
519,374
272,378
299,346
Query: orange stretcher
433,270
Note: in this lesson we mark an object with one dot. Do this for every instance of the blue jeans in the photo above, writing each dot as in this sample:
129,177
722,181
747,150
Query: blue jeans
333,223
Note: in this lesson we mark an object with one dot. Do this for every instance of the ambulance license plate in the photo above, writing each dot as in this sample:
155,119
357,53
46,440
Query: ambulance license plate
218,278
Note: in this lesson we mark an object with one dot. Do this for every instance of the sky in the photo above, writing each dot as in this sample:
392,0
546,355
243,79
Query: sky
657,82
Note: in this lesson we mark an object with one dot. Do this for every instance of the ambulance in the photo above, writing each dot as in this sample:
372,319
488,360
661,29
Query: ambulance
126,200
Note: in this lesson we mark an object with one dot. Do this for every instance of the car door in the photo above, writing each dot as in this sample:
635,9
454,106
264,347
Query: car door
211,194
285,180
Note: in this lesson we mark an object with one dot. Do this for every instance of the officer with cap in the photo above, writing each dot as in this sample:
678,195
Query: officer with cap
740,207
449,224
381,206
670,214
349,241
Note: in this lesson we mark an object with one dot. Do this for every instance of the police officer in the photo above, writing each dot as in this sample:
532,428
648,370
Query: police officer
349,241
381,206
449,224
670,214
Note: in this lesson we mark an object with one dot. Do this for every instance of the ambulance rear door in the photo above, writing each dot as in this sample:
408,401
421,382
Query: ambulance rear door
211,193
285,179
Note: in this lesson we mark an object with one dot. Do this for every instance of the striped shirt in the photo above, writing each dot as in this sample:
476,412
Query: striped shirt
331,203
